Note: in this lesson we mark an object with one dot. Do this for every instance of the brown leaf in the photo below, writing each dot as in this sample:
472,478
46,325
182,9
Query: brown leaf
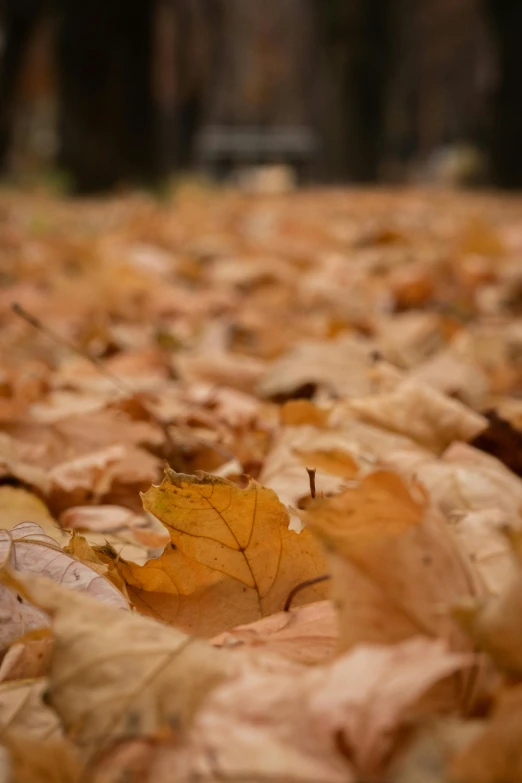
395,564
35,761
338,366
117,675
481,536
494,622
22,710
307,634
231,557
326,723
421,412
100,519
496,754
27,659
466,479
455,376
333,453
227,369
428,753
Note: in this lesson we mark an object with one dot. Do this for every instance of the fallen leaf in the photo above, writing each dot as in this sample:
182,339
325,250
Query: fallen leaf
296,413
339,366
496,753
35,761
18,505
493,622
332,723
22,710
427,756
115,674
422,413
406,339
455,376
307,634
100,519
297,448
481,536
96,558
231,557
26,660
237,371
396,568
27,548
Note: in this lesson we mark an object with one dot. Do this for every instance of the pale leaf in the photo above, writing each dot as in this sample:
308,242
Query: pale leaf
115,674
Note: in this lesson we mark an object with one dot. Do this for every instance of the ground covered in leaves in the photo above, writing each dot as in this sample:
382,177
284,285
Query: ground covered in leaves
260,491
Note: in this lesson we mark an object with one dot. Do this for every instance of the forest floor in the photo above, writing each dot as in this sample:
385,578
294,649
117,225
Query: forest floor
260,497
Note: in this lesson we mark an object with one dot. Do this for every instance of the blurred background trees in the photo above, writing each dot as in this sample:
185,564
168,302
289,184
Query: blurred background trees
130,91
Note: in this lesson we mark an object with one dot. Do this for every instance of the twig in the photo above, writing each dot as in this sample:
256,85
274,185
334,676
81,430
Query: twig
301,586
35,322
311,476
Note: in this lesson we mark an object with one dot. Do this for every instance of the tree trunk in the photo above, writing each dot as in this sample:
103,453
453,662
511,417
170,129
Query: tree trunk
107,113
505,141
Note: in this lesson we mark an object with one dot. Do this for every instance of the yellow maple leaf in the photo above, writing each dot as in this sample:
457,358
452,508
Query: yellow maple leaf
231,559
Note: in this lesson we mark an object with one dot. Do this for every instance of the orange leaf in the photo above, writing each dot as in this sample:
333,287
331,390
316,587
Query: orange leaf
232,558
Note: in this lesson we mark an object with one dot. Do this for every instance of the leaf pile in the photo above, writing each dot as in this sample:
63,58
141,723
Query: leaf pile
325,581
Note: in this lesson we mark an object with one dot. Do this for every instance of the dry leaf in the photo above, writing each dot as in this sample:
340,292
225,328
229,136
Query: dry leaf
297,448
426,758
494,622
18,505
423,414
227,369
296,413
340,367
96,558
115,674
231,557
27,660
455,376
307,634
35,761
496,753
22,710
100,519
481,536
406,339
27,548
396,567
319,724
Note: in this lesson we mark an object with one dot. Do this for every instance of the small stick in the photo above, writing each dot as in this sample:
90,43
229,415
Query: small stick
311,476
301,586
58,338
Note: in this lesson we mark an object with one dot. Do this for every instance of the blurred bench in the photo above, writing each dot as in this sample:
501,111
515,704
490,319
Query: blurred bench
221,150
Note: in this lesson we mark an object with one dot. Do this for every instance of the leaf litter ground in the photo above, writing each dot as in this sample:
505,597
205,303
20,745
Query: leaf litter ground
260,487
